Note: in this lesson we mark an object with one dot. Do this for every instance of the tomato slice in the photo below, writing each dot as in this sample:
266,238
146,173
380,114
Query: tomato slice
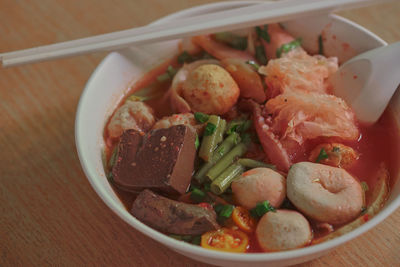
243,219
225,239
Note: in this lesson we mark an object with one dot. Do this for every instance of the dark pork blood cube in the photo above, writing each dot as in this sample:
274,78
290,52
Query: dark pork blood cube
170,216
161,160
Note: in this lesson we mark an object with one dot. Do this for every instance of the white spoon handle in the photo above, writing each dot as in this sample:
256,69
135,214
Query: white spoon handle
368,81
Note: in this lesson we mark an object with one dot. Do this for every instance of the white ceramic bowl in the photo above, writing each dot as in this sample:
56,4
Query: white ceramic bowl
120,69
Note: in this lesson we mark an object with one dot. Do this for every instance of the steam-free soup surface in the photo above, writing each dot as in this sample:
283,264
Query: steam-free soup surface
272,99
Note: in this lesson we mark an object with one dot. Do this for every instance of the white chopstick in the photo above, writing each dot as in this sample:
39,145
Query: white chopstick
253,15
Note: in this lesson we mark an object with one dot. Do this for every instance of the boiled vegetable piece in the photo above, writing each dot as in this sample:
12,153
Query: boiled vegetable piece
224,180
226,160
212,135
251,163
171,216
161,160
221,131
232,140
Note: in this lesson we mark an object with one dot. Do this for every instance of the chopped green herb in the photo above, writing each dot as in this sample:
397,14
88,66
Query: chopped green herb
206,187
251,163
253,213
260,55
288,47
169,74
197,142
218,208
187,238
223,211
210,129
245,126
320,45
335,149
363,210
246,138
110,177
113,157
136,98
197,195
262,208
238,125
287,204
263,33
149,92
201,117
177,237
206,56
196,240
253,64
171,71
231,39
232,129
322,155
364,186
184,57
163,77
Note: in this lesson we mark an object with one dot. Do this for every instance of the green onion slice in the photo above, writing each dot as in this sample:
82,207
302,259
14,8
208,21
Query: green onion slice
168,75
253,64
206,187
197,195
184,57
364,186
320,45
197,142
210,129
262,208
113,157
163,77
201,117
224,211
322,155
231,39
239,126
260,55
288,47
263,33
196,240
137,98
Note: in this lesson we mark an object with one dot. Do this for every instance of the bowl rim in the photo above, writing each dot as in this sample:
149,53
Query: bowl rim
196,250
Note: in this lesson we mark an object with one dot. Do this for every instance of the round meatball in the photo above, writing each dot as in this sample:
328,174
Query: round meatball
257,185
178,119
131,115
210,89
324,193
283,230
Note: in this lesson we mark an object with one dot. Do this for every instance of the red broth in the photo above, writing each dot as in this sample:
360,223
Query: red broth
377,143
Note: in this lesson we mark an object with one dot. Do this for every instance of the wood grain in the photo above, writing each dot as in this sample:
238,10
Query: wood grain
49,214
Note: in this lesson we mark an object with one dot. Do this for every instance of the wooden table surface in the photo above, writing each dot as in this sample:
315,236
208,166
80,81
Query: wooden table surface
49,214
